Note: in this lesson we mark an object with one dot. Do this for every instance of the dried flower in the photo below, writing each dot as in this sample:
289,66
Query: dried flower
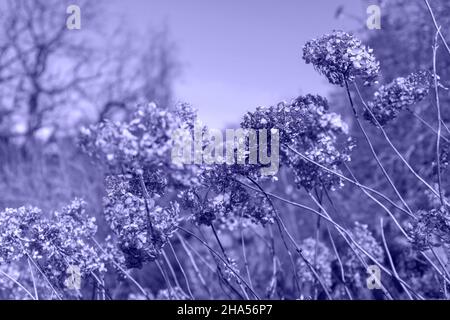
341,57
307,126
227,202
398,95
142,227
53,242
431,228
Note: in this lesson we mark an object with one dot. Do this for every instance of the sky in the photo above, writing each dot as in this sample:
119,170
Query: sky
240,54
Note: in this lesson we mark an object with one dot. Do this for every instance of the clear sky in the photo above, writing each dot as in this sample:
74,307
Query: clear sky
239,54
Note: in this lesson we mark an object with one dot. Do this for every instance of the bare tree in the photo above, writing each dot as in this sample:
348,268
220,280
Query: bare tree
51,77
137,73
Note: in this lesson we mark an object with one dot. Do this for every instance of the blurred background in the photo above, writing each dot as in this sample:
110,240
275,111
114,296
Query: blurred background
224,58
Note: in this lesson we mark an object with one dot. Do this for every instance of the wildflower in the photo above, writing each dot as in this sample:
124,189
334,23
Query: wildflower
431,228
341,57
137,154
142,147
15,232
142,227
227,202
54,242
126,145
398,95
307,126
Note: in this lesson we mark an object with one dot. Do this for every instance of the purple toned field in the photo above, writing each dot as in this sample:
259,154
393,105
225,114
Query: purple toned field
340,196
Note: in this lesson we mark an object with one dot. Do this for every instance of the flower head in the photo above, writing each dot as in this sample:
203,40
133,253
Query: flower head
341,57
53,241
142,228
307,126
227,203
398,95
431,228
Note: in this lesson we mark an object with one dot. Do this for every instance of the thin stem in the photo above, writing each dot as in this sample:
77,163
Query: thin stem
282,227
316,245
441,263
118,266
346,234
438,106
101,284
219,242
391,215
18,284
186,280
194,264
338,227
44,275
172,271
33,279
341,266
388,178
393,147
347,290
435,267
147,207
218,272
200,257
221,258
428,125
270,244
166,279
244,255
391,262
226,257
348,179
438,29
436,256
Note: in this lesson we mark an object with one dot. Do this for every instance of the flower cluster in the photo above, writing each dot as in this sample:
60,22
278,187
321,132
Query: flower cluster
398,95
341,57
52,243
141,171
143,144
319,256
307,126
142,228
144,139
14,225
227,202
431,228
